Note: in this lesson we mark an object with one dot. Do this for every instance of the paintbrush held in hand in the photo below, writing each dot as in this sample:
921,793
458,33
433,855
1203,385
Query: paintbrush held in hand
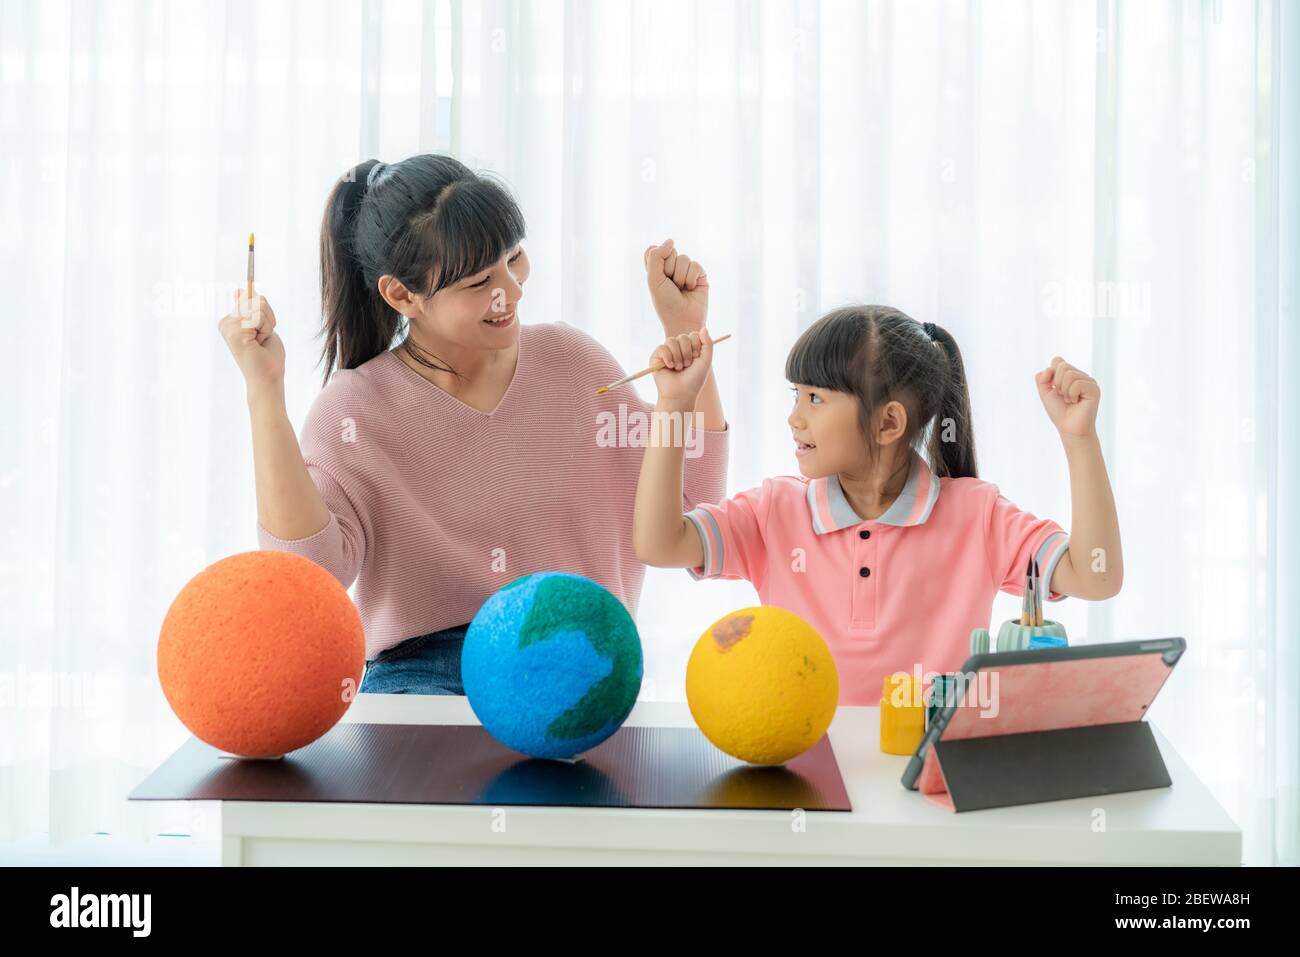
644,372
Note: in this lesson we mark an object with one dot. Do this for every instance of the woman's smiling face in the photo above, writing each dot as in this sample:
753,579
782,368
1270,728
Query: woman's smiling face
827,434
480,310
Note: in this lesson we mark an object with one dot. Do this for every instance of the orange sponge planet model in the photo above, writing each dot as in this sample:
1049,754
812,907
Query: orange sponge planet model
261,653
762,685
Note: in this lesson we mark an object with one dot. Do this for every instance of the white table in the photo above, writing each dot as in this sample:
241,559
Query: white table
1181,825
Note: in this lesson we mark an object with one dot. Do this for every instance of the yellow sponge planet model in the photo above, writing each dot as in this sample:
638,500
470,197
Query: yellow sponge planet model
762,685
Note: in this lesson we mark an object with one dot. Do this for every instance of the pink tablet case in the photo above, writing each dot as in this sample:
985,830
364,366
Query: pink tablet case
1062,729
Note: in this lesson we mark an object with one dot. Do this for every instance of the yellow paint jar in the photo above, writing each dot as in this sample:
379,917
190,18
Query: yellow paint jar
902,714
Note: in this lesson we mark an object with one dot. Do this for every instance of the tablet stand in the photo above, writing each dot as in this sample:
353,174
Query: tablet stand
972,774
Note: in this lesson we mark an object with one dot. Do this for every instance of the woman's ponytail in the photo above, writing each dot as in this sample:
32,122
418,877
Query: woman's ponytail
358,324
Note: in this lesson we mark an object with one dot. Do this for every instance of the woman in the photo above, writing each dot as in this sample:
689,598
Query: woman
434,472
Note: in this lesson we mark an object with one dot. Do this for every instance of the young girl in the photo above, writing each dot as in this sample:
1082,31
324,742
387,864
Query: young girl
891,554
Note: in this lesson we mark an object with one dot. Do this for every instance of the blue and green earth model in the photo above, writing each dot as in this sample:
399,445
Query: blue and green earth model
552,664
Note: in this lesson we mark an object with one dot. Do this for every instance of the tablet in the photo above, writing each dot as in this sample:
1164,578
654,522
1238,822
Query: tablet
1047,689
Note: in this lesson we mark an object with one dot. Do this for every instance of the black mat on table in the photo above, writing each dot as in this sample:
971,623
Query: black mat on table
462,764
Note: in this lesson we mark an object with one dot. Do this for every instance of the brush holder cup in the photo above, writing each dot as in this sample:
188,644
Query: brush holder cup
1013,636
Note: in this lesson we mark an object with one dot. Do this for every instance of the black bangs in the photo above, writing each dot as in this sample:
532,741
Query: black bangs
830,354
472,224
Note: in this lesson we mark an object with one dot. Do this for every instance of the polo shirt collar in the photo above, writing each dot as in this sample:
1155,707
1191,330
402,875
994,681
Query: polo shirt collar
830,509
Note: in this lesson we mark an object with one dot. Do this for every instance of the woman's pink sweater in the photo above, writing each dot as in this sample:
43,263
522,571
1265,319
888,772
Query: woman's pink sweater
435,505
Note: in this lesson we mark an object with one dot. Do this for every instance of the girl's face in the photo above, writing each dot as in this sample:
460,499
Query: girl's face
828,438
479,312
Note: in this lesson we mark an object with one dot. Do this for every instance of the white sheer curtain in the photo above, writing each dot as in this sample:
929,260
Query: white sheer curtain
1111,182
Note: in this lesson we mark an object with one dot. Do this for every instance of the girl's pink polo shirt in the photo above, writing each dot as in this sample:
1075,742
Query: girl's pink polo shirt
887,594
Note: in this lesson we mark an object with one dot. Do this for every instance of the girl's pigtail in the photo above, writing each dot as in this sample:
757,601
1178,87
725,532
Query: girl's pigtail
952,436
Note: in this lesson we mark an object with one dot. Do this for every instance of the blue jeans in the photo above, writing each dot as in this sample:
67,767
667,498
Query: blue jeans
427,664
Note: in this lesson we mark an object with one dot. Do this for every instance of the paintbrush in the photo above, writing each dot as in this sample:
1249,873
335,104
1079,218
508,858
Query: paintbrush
1026,616
654,368
1038,596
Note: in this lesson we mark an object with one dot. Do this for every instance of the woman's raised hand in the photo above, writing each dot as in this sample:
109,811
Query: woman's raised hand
678,287
249,331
